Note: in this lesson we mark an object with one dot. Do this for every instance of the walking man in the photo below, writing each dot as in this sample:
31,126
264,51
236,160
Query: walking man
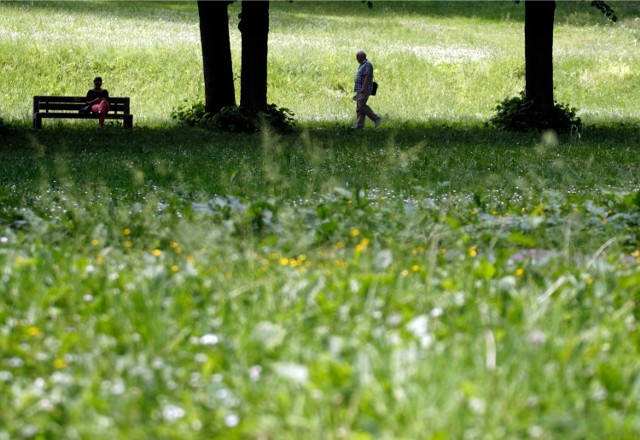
363,88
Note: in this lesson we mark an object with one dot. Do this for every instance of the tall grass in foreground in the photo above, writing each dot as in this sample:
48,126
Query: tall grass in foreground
442,61
330,284
438,281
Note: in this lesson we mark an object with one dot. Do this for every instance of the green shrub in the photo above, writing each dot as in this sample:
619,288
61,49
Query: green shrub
279,118
190,115
521,114
235,119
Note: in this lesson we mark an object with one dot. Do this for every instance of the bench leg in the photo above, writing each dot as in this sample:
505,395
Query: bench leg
128,121
37,121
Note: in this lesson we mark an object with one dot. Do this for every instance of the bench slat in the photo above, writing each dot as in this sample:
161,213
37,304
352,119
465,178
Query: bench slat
47,107
73,99
79,115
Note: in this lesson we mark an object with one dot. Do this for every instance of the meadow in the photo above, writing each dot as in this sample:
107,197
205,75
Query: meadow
433,278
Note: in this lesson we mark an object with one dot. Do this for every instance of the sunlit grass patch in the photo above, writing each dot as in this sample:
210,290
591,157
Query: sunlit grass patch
434,60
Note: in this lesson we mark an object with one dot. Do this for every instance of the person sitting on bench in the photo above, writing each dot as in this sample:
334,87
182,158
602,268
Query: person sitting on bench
98,100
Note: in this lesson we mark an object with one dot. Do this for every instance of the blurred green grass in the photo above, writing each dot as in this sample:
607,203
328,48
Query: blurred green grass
434,278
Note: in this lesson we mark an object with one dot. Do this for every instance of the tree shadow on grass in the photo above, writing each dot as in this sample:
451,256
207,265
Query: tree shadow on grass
490,11
127,165
180,12
575,13
142,140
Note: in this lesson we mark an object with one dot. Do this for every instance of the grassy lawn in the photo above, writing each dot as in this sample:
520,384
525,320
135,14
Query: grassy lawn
435,61
430,279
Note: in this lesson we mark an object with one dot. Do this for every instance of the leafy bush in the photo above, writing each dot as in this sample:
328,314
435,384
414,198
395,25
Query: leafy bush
521,114
279,118
235,119
190,115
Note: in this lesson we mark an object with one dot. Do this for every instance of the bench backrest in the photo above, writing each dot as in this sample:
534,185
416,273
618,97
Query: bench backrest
46,104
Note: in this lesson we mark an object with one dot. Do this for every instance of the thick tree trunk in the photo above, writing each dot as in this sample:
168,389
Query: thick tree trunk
219,90
538,49
254,27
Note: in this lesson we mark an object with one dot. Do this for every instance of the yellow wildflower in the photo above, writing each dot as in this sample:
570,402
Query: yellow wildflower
34,331
589,281
60,363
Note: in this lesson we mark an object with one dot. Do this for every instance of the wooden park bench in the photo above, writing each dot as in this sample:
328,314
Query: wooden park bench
70,106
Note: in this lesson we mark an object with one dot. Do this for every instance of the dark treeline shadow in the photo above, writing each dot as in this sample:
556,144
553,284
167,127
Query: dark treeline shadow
570,12
573,12
20,140
181,12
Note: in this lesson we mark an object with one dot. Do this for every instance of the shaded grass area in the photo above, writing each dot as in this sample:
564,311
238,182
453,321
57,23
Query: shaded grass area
450,157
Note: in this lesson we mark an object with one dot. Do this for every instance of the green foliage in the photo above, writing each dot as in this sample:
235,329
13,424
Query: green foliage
279,118
190,114
236,119
522,114
166,283
461,73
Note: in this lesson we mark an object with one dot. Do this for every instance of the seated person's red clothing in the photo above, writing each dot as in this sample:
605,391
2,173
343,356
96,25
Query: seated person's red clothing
102,107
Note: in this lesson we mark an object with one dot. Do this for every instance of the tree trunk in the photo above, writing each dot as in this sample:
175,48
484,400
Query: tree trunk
219,90
254,26
538,52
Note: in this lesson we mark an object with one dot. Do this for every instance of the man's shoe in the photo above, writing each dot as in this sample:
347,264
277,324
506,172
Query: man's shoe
376,123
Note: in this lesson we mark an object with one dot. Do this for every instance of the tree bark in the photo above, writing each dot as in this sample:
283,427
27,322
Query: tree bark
219,89
538,49
254,26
